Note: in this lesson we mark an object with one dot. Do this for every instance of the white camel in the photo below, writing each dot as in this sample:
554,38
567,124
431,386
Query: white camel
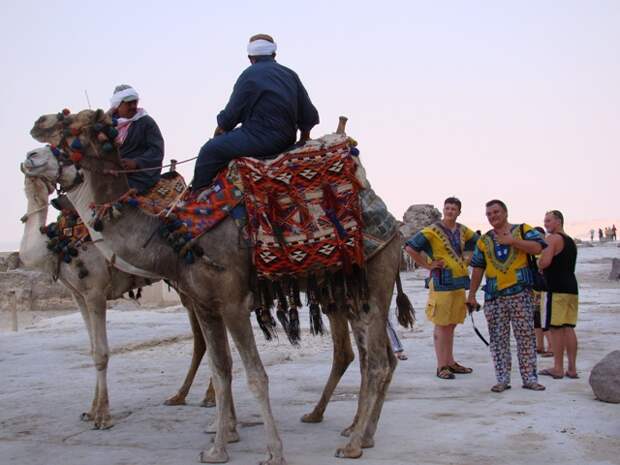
103,282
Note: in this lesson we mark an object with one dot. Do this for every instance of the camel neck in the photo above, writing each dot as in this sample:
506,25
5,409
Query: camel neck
33,246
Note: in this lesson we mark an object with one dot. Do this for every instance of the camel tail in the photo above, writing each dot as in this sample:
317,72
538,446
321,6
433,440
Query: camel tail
405,312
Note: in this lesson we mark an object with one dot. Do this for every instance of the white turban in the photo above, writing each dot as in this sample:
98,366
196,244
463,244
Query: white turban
261,47
126,95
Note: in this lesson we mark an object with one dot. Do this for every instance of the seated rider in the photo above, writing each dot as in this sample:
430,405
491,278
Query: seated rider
140,142
270,102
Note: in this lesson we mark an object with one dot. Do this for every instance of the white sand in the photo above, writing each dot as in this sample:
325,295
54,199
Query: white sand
47,379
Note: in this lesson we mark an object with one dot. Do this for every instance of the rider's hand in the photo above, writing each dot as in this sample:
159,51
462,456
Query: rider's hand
218,131
129,164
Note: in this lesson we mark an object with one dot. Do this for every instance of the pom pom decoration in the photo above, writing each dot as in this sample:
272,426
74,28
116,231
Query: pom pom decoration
107,147
66,111
76,144
75,157
114,121
98,127
354,151
112,132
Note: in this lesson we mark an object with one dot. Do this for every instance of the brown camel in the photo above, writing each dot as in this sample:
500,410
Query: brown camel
219,288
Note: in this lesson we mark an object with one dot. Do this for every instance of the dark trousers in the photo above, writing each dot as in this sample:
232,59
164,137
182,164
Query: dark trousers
219,151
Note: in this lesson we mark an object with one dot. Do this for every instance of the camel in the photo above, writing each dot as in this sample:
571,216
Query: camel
89,292
101,280
41,165
219,288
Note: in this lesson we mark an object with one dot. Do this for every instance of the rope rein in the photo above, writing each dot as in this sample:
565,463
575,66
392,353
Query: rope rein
159,167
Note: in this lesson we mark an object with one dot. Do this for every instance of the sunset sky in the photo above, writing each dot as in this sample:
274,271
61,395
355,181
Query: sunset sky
478,99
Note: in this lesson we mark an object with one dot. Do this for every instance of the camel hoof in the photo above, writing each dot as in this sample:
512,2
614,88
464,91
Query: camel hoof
207,403
103,422
214,455
273,461
347,431
348,452
312,418
232,437
87,416
175,400
368,443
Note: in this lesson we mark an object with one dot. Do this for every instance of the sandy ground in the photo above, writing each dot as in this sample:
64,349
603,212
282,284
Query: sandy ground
47,379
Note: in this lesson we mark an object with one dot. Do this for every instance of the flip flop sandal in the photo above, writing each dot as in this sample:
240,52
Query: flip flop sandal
544,353
445,373
500,387
575,376
460,369
547,372
534,387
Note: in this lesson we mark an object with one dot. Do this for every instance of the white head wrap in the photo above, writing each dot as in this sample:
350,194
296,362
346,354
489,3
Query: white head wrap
127,94
261,47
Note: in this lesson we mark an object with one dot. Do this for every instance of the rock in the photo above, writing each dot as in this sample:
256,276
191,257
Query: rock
605,378
417,217
615,269
12,261
33,290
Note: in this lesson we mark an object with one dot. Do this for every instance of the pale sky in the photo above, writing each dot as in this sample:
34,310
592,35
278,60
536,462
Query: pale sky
478,99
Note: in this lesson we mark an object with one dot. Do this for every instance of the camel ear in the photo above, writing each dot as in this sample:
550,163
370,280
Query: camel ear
99,115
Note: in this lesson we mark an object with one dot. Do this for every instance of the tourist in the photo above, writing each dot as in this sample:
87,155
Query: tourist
560,317
440,248
600,235
502,255
538,303
397,346
613,232
141,145
270,103
591,235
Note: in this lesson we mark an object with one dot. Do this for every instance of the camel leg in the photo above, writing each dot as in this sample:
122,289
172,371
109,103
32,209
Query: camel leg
359,332
96,303
371,337
209,400
258,382
218,353
371,428
342,357
197,354
81,303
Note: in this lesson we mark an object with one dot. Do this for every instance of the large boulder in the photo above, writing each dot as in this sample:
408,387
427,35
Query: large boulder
417,217
605,378
615,269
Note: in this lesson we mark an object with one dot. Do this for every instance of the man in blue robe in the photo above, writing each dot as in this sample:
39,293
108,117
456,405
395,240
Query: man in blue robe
270,103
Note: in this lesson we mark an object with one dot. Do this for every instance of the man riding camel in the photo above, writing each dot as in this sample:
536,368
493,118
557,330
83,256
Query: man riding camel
141,144
270,103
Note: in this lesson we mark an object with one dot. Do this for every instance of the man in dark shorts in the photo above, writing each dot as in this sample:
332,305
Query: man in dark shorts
557,262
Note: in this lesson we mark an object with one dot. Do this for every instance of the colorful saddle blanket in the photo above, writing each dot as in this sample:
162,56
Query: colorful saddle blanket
303,209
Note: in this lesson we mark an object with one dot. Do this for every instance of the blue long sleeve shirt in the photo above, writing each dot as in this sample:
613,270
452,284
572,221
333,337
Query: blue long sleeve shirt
269,97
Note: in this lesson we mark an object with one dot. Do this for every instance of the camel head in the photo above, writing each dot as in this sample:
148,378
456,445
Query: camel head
50,166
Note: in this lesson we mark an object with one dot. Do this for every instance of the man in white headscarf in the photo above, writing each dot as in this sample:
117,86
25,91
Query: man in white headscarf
270,103
141,144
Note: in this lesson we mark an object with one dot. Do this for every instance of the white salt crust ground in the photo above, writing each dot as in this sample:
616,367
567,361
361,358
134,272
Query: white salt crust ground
47,379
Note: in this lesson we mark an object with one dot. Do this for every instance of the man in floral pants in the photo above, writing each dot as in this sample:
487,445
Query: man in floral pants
501,254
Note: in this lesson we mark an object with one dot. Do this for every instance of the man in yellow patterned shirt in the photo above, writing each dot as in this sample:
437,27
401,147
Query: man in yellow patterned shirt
502,254
446,244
